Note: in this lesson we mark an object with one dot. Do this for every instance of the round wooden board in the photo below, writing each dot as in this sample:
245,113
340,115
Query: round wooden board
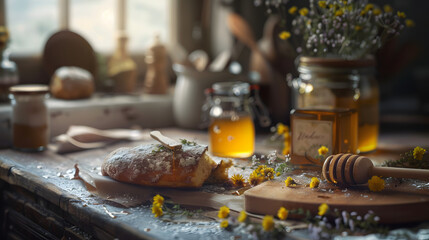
393,206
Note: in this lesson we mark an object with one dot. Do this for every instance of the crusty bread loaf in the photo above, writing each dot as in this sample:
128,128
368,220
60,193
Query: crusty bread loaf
72,83
156,165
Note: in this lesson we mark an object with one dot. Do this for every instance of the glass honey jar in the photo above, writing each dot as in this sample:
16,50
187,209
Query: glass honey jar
329,84
231,130
30,120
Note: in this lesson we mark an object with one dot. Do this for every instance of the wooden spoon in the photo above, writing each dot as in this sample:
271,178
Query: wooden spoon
242,31
348,169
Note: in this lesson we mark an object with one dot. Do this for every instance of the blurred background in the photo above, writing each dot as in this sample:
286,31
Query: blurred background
189,25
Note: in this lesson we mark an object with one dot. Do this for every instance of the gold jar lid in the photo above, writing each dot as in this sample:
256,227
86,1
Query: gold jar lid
29,89
337,62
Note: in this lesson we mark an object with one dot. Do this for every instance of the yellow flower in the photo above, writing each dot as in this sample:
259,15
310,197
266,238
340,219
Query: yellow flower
358,28
369,7
4,34
158,199
339,13
282,213
303,11
157,210
323,150
293,10
237,180
376,12
314,182
401,14
268,173
281,128
322,4
289,182
331,6
387,8
410,23
284,35
418,153
255,179
223,212
323,208
268,223
278,174
376,184
362,13
242,217
224,224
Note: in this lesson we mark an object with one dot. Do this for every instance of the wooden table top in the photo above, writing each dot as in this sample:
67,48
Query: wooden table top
47,174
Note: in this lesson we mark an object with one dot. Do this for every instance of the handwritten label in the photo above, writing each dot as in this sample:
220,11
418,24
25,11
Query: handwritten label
309,135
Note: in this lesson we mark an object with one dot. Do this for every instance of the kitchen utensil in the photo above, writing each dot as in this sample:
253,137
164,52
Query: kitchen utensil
199,59
66,48
242,31
348,169
165,141
220,62
401,204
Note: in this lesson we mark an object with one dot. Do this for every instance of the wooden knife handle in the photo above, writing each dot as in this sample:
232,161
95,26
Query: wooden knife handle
166,141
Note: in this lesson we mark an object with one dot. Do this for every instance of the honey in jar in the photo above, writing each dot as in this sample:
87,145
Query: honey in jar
231,130
30,130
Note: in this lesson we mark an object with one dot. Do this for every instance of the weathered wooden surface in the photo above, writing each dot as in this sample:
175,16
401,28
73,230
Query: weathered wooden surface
48,176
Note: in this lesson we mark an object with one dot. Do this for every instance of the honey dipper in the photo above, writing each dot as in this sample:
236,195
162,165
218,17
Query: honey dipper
348,169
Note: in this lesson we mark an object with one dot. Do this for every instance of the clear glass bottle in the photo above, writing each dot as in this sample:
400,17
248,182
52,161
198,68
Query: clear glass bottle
326,83
231,130
30,120
8,75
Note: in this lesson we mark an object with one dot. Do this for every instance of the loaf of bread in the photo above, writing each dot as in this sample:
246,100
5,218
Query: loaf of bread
72,83
157,165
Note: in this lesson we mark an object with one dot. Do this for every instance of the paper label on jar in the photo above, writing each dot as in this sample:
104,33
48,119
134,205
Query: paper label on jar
309,135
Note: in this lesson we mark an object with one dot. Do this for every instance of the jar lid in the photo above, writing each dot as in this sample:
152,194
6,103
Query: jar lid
337,62
29,89
231,88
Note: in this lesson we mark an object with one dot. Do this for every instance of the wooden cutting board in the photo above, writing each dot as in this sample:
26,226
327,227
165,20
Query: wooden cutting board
396,204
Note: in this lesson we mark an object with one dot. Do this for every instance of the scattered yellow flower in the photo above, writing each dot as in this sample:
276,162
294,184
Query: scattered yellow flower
323,208
282,213
331,6
224,224
362,13
369,7
376,184
401,14
358,28
281,128
322,4
157,210
289,181
278,174
237,180
410,23
323,150
158,199
255,179
223,212
376,12
387,8
314,182
303,11
339,13
284,35
293,10
242,217
268,173
268,223
418,153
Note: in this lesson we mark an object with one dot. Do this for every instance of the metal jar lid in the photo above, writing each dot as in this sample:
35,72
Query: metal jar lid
231,88
29,89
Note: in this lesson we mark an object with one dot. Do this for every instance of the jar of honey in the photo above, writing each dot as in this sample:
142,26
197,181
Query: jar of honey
231,130
30,121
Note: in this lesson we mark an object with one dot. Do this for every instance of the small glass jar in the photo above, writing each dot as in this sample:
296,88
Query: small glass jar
231,130
30,120
326,83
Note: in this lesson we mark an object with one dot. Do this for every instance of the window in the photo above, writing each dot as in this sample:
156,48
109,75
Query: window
31,23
